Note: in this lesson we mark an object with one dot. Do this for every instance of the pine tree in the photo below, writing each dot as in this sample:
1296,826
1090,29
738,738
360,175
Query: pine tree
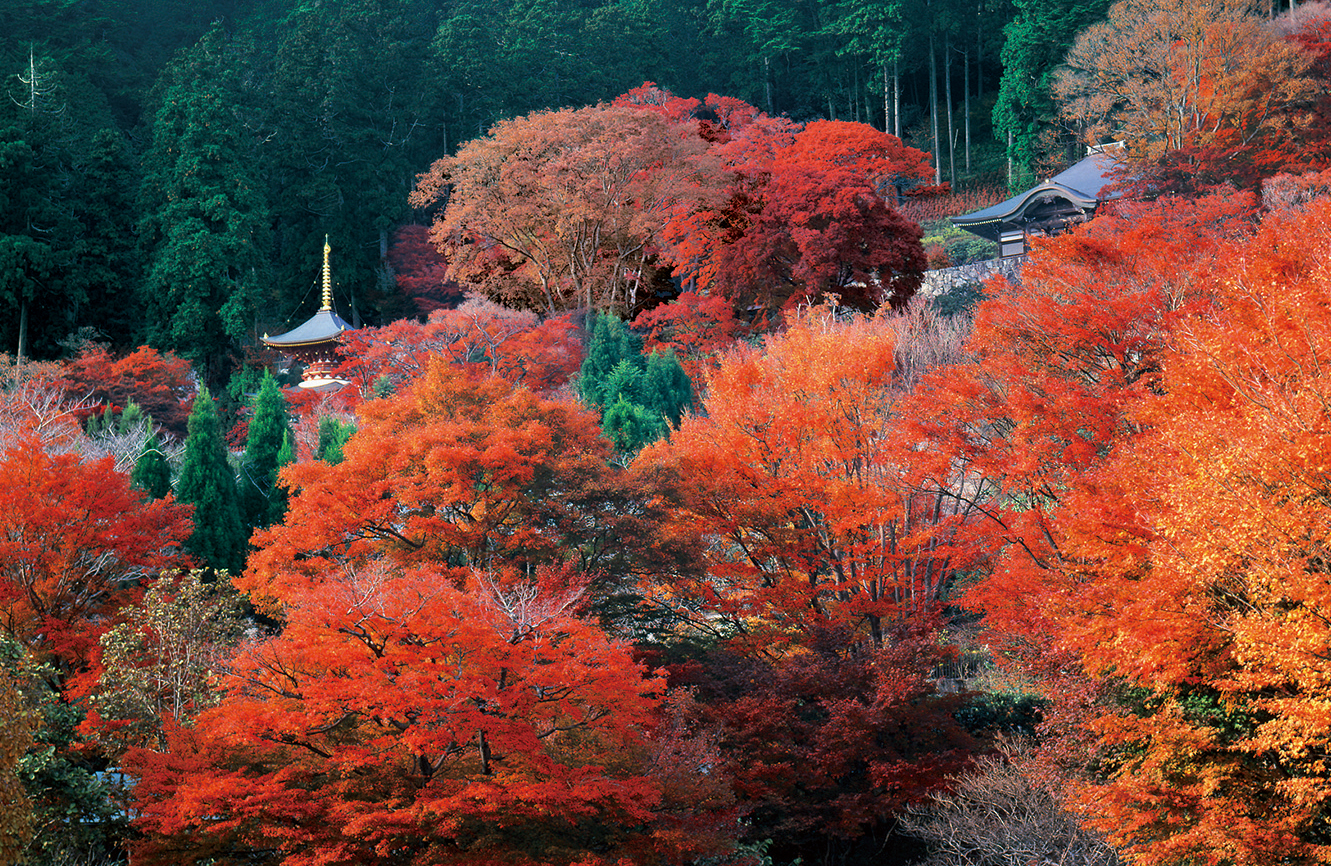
258,469
152,473
207,482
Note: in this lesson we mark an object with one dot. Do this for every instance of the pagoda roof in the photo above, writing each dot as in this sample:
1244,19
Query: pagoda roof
324,326
1079,187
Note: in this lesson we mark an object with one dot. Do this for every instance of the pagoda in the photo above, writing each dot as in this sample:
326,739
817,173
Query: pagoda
314,343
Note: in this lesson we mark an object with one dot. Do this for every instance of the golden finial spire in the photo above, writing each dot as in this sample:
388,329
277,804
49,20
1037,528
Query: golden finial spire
328,279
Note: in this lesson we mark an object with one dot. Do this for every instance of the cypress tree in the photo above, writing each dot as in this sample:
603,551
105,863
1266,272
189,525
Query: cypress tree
152,473
667,390
277,502
333,434
258,469
207,482
625,381
629,426
609,344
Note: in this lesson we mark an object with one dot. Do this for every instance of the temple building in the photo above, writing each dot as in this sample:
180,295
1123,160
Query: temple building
1064,200
314,342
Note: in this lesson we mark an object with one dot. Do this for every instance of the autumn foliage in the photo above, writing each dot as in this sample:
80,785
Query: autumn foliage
1213,602
159,383
600,207
73,537
825,569
437,693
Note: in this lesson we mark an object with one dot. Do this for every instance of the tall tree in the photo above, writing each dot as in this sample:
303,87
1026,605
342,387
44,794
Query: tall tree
560,210
268,429
1026,114
824,571
807,217
1211,83
205,216
350,118
1208,599
208,483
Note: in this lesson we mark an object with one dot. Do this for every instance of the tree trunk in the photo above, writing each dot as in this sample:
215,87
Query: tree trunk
767,84
22,332
1009,158
933,109
947,90
966,100
979,52
887,102
896,98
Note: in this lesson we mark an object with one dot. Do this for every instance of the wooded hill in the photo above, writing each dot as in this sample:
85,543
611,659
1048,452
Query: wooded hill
170,171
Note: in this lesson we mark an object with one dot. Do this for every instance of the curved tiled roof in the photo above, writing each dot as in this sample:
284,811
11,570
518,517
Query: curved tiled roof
322,327
1081,186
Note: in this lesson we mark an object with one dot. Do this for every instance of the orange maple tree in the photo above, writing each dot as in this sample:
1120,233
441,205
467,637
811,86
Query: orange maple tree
789,464
1202,91
807,211
406,716
823,571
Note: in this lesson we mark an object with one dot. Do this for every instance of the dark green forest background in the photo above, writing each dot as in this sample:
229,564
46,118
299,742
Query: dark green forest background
168,171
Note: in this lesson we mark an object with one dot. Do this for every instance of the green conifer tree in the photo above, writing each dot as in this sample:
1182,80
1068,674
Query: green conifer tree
277,502
667,390
208,483
609,344
625,381
333,434
629,426
152,472
258,469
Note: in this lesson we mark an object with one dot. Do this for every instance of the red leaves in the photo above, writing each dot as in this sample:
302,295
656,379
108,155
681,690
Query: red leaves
160,384
72,534
419,270
806,217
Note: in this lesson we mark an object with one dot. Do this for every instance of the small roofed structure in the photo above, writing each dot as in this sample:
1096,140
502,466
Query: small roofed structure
314,342
1064,200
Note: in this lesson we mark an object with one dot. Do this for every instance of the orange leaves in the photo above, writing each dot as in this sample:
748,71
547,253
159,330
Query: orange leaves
795,489
437,693
1207,79
453,470
1193,569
